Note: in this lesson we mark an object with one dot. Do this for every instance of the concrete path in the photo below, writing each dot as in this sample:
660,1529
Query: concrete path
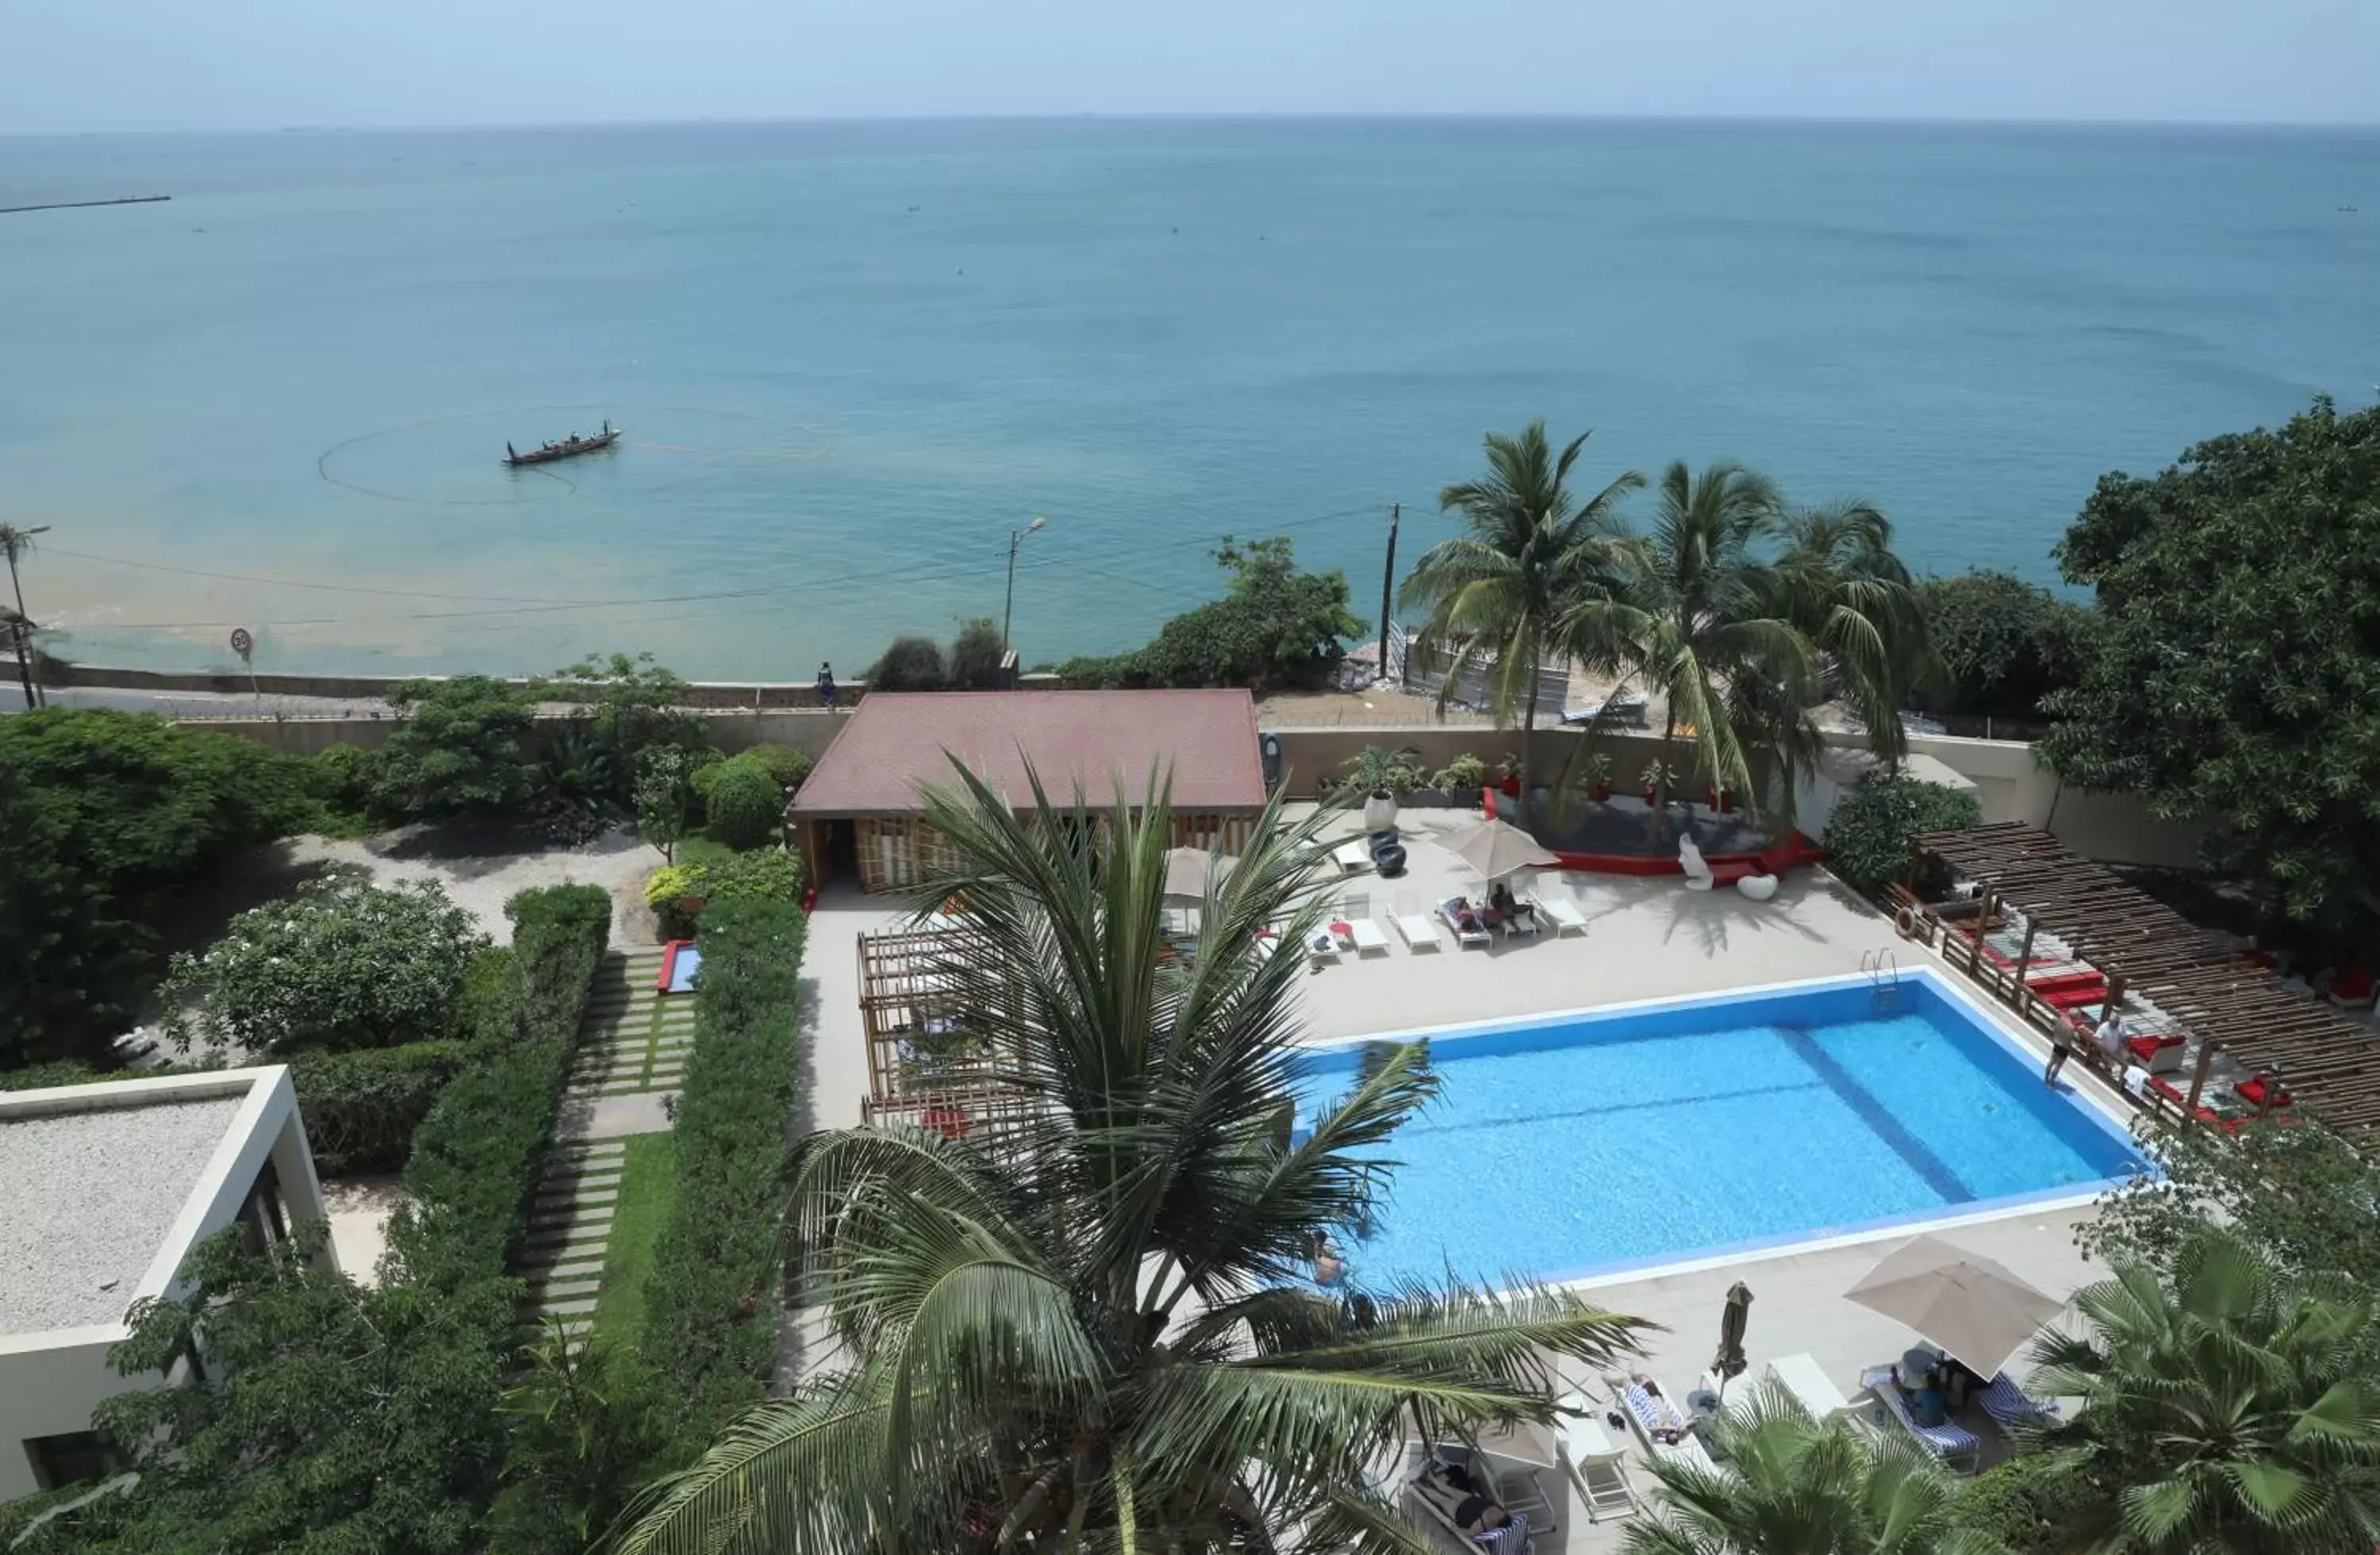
569,1232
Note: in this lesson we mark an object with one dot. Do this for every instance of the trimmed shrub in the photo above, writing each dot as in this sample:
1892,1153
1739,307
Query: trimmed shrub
361,1107
711,1330
763,875
742,804
1869,834
791,768
2027,1503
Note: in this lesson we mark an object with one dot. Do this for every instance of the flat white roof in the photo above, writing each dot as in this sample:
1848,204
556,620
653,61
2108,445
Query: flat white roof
92,1179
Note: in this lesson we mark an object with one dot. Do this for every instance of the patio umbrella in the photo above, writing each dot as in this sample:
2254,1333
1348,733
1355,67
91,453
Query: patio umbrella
1496,848
1729,1361
1968,1305
1188,871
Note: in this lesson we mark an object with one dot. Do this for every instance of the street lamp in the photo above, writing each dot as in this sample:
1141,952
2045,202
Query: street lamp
1007,610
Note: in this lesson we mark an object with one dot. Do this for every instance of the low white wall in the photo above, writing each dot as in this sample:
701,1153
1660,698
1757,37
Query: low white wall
2009,784
809,730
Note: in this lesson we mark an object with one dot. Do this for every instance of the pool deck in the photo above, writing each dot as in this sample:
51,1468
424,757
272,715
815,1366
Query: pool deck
1646,939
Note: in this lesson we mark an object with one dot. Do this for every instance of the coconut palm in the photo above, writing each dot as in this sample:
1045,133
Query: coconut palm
1702,611
1090,1333
1852,596
1496,593
2228,1406
1795,1486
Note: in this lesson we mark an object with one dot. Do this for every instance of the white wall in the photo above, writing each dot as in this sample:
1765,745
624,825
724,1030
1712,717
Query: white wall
51,1382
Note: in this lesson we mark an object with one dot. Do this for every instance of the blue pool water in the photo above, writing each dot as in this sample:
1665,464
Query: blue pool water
1580,1144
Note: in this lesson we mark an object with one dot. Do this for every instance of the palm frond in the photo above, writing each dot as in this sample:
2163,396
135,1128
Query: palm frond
797,1475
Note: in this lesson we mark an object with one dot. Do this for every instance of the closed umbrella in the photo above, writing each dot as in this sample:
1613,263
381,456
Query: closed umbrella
1496,848
1188,871
1976,1308
1729,1361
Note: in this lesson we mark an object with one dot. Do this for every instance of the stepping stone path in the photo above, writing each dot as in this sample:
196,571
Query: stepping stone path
631,1042
569,1230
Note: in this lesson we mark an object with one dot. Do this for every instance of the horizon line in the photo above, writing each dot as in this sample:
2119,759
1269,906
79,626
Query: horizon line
1215,117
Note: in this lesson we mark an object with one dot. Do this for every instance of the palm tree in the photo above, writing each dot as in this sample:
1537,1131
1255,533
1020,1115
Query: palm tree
15,545
1703,612
1496,594
1854,598
2226,1407
1795,1485
1090,1334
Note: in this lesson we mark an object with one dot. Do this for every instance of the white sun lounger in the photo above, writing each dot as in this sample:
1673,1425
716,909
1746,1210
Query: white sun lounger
1420,929
1353,859
1803,1376
1647,1413
1467,938
1556,909
1598,1468
1368,936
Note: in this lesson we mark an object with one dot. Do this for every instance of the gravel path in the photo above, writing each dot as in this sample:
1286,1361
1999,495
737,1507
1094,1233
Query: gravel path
481,881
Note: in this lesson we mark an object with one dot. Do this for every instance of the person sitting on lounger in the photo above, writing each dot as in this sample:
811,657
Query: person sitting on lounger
1928,1406
1459,912
1504,905
1473,1511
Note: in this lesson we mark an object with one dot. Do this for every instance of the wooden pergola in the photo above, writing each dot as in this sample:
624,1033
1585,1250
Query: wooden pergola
924,1065
2329,1062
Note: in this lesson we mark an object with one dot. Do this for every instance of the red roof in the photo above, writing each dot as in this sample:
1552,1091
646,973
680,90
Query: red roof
896,741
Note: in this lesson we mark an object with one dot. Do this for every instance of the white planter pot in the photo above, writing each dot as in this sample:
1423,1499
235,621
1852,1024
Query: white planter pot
1379,812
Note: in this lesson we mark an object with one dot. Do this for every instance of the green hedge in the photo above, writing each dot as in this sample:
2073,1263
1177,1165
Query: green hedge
743,803
710,1308
361,1107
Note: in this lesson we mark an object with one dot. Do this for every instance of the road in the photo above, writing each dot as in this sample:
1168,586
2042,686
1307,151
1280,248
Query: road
196,704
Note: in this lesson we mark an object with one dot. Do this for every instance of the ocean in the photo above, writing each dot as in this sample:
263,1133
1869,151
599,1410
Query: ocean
852,359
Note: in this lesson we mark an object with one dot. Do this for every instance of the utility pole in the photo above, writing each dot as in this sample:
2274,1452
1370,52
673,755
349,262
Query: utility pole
14,542
1388,586
1008,607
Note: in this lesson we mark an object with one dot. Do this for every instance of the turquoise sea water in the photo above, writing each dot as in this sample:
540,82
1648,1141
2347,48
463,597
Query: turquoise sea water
851,359
1564,1146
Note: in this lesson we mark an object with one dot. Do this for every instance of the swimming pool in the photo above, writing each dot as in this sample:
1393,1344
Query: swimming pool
1583,1143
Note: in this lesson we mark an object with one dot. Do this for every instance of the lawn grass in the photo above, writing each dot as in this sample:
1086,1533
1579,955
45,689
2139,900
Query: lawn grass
648,1183
699,848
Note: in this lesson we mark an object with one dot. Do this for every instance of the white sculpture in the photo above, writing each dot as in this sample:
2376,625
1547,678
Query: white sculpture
1690,859
1757,888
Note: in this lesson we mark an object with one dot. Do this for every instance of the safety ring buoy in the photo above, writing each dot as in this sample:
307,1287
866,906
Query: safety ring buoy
1905,922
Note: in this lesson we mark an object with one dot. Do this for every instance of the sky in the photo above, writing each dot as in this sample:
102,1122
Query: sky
162,64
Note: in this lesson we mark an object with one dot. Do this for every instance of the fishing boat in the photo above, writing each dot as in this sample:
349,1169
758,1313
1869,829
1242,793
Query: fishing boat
568,448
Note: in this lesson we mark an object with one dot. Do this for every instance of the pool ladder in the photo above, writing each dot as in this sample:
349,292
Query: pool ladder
1883,972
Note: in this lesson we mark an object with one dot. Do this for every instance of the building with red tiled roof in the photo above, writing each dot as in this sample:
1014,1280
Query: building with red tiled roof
859,811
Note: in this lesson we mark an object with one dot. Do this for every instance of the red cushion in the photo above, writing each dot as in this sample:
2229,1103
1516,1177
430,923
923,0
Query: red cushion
2253,1093
2063,981
2075,998
2145,1048
2351,981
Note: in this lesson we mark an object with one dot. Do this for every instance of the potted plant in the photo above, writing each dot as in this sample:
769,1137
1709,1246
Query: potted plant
1595,775
1722,800
1508,773
1657,777
1462,778
1382,775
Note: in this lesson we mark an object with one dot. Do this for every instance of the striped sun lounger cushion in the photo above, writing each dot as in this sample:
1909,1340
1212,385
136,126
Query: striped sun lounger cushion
1651,1413
2010,1404
1948,1442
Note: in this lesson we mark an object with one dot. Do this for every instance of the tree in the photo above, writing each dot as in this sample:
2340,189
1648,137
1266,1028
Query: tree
1498,594
16,544
2236,670
910,663
462,748
327,1416
2300,1192
1868,835
1795,1485
1095,1335
630,704
665,797
68,973
1840,583
146,806
1700,611
346,964
584,1431
2004,643
976,656
2226,1407
1276,628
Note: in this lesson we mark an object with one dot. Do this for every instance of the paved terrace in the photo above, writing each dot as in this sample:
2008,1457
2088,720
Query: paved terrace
1648,938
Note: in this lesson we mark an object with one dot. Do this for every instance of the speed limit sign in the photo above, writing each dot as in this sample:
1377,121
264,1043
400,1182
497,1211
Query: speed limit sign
242,644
